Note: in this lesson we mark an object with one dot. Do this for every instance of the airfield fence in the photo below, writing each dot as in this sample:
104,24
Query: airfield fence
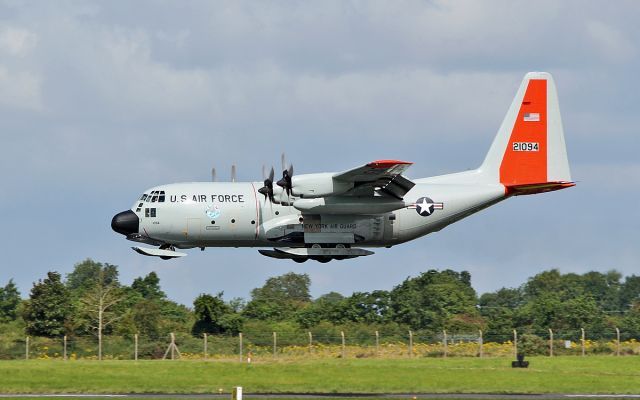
255,346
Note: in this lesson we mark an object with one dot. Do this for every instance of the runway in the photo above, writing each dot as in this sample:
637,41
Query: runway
324,396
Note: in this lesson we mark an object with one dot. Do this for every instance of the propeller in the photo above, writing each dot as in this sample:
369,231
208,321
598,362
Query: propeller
213,174
233,173
267,189
287,174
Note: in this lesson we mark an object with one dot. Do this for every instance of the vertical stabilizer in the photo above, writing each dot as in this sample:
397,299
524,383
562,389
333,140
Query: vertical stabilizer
528,155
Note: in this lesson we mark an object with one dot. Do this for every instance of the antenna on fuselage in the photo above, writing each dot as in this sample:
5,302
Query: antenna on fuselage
233,173
213,174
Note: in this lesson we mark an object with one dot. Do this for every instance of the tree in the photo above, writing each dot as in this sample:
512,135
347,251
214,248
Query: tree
213,315
365,307
98,304
603,288
325,308
146,318
48,307
431,300
9,301
149,287
629,292
86,273
630,324
280,297
500,309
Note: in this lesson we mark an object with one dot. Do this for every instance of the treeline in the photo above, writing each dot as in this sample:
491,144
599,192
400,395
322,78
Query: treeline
91,300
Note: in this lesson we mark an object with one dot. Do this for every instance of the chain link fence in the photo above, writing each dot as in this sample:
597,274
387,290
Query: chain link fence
252,346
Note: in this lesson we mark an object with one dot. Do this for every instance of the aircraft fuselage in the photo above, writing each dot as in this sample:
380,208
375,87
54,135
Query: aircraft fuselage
234,214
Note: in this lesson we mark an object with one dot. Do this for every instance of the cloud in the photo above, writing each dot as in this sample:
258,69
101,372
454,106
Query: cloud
20,90
612,44
17,41
100,100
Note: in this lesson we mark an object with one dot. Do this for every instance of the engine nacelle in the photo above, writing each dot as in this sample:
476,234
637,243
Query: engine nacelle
318,185
349,205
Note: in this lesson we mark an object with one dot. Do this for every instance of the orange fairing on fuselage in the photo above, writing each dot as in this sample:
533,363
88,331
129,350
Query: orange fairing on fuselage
525,158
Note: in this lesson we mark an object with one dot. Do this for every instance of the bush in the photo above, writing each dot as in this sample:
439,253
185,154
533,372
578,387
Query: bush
532,345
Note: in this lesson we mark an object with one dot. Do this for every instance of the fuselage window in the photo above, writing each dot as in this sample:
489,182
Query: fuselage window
150,212
153,213
146,212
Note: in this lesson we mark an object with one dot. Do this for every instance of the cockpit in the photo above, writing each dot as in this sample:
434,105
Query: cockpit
156,196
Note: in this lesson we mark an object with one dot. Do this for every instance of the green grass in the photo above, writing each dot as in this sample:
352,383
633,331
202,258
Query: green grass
595,374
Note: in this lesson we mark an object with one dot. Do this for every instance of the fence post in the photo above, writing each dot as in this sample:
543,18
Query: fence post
444,342
173,346
343,344
275,343
205,346
64,348
410,344
480,344
377,344
240,339
582,340
617,341
550,343
26,349
515,343
100,339
135,347
310,341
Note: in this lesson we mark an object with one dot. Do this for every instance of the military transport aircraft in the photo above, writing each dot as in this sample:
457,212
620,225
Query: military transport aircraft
337,215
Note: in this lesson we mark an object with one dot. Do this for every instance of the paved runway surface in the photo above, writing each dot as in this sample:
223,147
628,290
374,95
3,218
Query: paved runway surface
292,396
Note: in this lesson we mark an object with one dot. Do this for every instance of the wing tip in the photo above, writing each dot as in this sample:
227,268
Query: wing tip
387,163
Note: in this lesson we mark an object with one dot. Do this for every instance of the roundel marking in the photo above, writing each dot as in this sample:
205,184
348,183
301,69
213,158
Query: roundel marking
425,206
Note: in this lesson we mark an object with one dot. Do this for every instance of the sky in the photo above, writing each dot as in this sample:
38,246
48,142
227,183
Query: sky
102,100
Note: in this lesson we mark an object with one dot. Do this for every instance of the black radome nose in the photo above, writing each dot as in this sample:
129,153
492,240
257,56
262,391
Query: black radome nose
126,222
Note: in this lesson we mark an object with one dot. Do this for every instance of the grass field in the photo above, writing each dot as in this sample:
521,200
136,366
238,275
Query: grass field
595,374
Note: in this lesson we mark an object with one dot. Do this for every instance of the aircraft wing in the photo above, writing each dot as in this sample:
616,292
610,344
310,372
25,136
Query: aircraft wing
384,175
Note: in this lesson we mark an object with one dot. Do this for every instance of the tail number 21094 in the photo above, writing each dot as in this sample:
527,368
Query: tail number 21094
526,146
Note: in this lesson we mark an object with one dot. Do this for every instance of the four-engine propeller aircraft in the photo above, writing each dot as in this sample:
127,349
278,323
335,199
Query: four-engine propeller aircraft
335,216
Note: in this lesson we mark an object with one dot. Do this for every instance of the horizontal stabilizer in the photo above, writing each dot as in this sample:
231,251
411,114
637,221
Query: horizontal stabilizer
535,188
165,254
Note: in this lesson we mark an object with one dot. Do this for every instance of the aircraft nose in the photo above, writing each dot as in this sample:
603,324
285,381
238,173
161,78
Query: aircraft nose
125,223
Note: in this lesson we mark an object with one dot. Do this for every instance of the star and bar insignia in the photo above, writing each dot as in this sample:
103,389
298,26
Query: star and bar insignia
425,206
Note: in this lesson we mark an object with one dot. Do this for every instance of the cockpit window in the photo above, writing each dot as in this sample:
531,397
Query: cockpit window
143,197
155,196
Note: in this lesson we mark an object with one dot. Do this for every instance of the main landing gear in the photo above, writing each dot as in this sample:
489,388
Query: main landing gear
317,252
169,247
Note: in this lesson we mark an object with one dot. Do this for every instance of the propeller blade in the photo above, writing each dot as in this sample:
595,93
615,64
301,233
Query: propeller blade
213,174
233,173
267,189
285,182
283,163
